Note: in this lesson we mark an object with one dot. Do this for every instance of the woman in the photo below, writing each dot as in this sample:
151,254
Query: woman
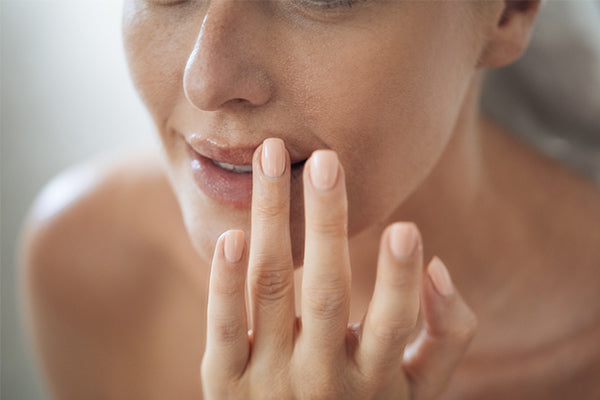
360,123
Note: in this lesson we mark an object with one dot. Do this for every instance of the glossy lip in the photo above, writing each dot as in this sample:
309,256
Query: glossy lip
224,186
235,155
219,184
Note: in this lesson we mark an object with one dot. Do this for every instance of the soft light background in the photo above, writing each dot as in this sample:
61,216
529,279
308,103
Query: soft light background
66,96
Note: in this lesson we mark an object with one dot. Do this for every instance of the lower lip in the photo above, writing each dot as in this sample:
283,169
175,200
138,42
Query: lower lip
225,186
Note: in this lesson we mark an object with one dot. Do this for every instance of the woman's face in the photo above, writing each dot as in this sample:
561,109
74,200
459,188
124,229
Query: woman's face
380,82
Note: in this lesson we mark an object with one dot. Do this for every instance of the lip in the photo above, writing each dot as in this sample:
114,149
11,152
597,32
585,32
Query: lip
224,186
235,155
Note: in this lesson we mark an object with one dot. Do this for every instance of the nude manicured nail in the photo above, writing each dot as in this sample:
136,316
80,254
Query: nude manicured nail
324,168
440,277
273,158
234,246
403,240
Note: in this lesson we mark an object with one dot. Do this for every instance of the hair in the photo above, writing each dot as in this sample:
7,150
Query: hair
550,97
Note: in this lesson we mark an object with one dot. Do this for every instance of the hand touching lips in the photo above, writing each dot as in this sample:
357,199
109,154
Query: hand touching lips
224,174
316,355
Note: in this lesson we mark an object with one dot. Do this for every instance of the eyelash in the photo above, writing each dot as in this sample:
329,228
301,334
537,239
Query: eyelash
333,3
166,3
317,3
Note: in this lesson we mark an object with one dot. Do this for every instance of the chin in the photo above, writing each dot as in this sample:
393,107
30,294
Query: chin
204,243
204,235
205,219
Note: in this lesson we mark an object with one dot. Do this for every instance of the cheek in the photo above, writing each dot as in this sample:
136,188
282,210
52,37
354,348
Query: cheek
384,105
156,50
388,110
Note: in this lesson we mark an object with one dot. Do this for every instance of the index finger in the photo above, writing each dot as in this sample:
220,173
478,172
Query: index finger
270,270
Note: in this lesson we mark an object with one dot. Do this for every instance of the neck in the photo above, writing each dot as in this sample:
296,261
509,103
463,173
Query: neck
449,206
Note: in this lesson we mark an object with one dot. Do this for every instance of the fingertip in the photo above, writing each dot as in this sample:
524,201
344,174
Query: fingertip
404,240
274,157
446,311
323,169
440,277
449,328
234,243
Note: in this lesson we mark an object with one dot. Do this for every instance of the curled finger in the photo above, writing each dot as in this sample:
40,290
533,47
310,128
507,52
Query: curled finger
449,328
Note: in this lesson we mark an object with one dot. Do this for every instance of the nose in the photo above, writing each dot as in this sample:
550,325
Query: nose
225,68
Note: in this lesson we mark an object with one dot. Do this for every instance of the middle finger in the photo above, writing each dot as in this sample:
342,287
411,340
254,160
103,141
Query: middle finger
327,276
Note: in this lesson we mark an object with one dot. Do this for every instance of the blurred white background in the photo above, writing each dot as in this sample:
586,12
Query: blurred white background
66,96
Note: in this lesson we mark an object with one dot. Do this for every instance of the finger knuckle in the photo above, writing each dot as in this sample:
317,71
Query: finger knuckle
328,302
334,229
395,330
472,323
390,333
407,282
468,329
233,284
271,210
271,284
228,330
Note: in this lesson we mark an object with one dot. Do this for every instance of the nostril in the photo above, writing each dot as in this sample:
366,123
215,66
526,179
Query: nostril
237,101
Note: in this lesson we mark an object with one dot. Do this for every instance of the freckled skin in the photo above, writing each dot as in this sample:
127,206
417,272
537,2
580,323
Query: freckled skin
117,281
352,80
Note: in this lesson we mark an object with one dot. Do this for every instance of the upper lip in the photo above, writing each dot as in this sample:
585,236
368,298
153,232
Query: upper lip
228,153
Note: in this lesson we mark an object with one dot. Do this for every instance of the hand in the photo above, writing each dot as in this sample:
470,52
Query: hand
319,356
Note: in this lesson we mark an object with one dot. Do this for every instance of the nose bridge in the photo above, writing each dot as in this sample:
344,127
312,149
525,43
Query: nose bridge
221,68
219,24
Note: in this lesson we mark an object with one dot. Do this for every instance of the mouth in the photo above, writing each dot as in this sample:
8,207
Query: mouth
247,169
229,183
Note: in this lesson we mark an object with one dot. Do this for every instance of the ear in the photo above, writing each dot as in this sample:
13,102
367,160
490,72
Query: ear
509,36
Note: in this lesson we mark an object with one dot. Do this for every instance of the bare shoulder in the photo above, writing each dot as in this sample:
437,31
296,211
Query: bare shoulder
99,250
114,188
102,214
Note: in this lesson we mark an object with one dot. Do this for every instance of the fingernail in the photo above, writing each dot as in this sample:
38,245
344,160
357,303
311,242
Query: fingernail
403,240
324,168
234,246
273,157
440,277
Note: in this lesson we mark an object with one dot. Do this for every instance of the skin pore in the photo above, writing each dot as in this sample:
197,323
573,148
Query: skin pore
398,102
270,73
393,88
